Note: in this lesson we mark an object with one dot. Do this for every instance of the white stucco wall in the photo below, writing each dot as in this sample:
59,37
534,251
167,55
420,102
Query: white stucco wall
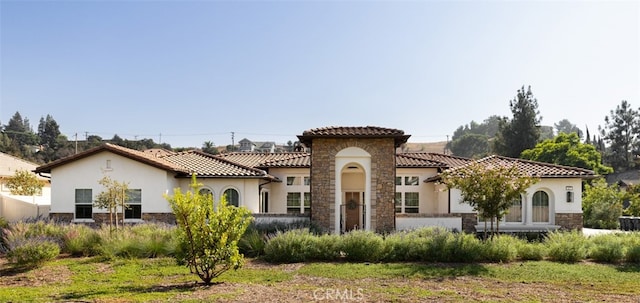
248,194
427,191
86,172
278,190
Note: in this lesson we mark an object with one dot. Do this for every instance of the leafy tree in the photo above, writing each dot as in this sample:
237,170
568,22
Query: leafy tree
113,197
21,136
489,189
546,132
602,205
470,146
632,201
566,149
210,148
208,235
564,126
622,133
522,131
472,140
24,183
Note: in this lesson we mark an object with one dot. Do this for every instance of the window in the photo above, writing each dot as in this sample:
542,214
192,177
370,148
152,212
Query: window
84,203
540,209
232,196
307,203
515,212
411,181
264,206
206,192
307,181
411,202
134,211
293,181
398,181
293,203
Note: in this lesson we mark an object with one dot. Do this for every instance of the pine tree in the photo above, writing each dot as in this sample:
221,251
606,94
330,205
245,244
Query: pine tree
523,130
622,133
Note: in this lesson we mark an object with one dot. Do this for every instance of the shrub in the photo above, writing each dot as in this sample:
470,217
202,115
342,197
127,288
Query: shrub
252,243
291,247
464,248
534,251
437,245
4,228
501,249
81,240
32,252
360,245
327,248
607,248
566,246
138,241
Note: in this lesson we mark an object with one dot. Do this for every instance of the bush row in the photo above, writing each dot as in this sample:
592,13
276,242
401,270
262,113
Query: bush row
440,245
31,244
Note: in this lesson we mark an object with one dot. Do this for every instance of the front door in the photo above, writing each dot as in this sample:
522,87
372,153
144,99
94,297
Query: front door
353,208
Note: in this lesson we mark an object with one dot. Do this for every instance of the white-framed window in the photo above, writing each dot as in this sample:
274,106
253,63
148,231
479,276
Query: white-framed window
298,180
205,191
264,202
540,207
295,204
411,181
407,202
84,203
515,212
232,196
134,200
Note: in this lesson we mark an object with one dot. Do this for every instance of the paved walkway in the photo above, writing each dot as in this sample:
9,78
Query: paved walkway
594,232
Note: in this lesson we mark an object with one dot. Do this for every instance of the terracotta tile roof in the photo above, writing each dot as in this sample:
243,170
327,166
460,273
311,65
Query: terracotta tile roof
530,168
406,160
133,154
353,132
210,166
296,160
445,160
257,159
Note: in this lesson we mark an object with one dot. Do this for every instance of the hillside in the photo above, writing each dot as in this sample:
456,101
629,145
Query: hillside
429,147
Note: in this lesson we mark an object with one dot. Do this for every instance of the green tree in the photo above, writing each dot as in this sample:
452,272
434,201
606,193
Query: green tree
489,189
565,126
114,197
522,131
472,140
566,149
21,137
622,133
602,205
470,146
210,148
632,200
50,138
24,183
208,235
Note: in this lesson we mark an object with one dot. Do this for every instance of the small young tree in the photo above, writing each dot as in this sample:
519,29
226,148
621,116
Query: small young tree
208,235
24,183
114,196
489,189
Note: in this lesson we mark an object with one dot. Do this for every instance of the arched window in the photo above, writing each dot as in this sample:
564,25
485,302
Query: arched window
540,209
515,211
206,192
232,196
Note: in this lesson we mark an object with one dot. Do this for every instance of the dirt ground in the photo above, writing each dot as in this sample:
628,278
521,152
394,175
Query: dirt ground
315,289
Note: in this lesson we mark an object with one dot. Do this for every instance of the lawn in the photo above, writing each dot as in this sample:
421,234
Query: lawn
161,280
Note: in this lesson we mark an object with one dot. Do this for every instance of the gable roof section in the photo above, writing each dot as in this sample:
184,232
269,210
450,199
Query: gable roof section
210,166
529,168
430,159
353,132
147,158
256,159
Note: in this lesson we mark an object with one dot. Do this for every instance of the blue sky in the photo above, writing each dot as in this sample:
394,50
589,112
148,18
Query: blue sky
196,71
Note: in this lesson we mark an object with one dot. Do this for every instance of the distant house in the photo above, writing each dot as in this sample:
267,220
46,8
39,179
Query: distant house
16,207
624,179
248,146
352,178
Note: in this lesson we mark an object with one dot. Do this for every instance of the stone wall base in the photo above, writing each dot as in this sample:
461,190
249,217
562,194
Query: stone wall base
61,217
103,218
571,221
469,222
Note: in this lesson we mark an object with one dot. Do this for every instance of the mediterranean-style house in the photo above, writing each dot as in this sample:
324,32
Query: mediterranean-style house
351,178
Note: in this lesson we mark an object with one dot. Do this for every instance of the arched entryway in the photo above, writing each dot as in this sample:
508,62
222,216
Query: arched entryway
353,188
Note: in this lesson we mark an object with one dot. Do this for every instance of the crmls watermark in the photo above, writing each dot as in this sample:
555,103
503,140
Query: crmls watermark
338,294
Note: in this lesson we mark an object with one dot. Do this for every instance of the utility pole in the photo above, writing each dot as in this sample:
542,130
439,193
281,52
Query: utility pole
160,140
76,135
233,144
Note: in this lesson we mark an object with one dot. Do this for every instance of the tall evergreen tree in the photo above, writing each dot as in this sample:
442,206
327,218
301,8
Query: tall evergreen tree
565,126
622,133
50,138
523,130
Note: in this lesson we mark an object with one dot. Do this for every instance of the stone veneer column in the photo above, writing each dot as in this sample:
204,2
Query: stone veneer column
570,221
323,183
